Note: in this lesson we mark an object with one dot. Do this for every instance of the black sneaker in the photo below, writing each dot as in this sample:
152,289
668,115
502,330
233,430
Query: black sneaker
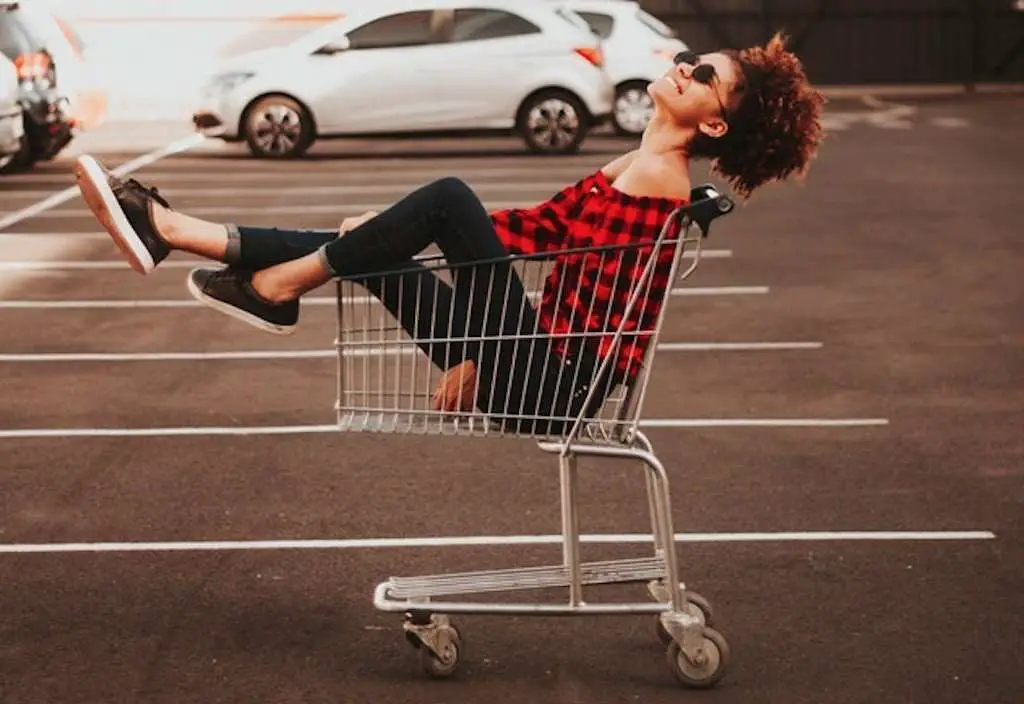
230,291
125,208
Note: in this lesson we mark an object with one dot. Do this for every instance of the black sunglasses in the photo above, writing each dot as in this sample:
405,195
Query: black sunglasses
702,73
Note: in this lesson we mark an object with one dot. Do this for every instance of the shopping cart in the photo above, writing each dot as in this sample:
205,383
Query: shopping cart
386,381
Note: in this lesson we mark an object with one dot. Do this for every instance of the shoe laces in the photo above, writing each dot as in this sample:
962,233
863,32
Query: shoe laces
151,191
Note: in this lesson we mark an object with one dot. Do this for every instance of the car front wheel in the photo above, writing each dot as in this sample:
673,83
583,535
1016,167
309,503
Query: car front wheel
633,109
553,122
278,127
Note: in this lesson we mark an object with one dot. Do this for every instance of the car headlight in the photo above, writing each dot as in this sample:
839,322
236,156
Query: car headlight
224,82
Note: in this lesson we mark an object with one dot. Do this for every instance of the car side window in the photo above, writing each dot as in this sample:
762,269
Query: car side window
476,24
600,23
403,29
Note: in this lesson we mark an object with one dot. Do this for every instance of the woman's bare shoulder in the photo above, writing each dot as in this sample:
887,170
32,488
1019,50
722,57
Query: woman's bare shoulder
656,176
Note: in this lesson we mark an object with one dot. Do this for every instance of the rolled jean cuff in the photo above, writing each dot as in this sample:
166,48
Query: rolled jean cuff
233,252
324,261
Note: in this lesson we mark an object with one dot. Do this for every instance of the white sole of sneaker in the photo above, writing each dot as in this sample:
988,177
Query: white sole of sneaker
224,308
103,203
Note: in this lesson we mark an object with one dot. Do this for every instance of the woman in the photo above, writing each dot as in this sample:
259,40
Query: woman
751,113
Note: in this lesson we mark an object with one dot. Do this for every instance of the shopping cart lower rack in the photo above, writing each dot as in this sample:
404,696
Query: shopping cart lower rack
386,378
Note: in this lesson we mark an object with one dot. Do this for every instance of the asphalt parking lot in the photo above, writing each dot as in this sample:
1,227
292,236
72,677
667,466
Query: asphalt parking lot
840,412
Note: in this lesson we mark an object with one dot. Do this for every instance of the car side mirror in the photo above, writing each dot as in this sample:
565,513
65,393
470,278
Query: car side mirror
335,46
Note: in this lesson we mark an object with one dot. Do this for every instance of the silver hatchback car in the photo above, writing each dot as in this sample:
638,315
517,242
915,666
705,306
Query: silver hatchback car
529,67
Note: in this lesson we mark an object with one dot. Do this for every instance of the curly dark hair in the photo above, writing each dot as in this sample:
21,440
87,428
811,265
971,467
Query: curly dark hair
774,120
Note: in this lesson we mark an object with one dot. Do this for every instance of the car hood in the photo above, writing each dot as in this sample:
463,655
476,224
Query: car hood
255,60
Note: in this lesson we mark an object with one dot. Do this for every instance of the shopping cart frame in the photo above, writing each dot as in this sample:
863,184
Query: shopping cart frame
697,653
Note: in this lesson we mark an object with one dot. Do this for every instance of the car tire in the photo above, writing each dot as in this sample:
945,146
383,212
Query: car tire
24,160
278,127
632,110
553,122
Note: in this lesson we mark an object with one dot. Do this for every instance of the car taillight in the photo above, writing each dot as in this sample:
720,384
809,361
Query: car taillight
32,66
591,54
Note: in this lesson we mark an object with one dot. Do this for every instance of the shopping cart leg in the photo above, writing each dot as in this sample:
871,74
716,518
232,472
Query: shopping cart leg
567,465
695,604
696,654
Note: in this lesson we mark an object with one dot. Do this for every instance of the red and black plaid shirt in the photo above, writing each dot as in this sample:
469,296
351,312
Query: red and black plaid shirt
587,292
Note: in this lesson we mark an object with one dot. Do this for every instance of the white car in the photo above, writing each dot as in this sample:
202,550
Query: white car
638,48
12,122
417,66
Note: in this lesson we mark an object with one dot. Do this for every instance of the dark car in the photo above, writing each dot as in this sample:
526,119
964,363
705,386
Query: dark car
49,126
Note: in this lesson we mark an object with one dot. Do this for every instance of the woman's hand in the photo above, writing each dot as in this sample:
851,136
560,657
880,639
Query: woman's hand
349,224
457,389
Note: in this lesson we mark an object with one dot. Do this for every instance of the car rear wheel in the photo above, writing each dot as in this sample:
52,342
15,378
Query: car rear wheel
633,109
553,122
278,127
23,160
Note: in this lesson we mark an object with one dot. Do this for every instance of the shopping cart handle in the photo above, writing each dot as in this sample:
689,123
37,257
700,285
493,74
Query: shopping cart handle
706,204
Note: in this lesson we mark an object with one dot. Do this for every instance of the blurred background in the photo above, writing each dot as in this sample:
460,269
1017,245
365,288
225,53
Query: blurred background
210,65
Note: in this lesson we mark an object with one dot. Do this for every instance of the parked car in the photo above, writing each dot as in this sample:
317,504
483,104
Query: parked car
42,60
12,126
638,48
417,67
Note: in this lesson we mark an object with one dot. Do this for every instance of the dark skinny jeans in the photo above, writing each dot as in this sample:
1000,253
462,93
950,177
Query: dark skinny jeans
488,300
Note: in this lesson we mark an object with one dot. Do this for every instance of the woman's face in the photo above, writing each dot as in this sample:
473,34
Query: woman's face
691,103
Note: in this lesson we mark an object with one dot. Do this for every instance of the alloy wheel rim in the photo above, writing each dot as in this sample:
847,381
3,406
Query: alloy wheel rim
554,123
276,129
633,110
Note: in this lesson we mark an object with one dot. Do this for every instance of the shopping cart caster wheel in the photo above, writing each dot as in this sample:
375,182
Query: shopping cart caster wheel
703,605
696,607
703,669
441,660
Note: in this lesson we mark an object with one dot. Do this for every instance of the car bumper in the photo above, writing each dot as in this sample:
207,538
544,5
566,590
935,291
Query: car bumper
49,123
12,130
218,114
208,123
599,98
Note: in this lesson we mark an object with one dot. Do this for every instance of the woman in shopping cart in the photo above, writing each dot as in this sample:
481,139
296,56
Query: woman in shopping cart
752,114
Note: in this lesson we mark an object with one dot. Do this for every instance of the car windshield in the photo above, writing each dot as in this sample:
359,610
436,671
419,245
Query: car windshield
273,34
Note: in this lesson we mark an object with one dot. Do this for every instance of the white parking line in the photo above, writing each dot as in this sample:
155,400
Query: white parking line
206,170
737,346
316,300
205,431
399,188
42,208
492,541
121,265
249,209
764,422
262,355
7,237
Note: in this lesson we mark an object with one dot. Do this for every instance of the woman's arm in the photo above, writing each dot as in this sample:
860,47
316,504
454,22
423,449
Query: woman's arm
542,228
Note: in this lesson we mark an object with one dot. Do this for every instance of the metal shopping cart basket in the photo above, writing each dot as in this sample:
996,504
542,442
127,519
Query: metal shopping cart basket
386,379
